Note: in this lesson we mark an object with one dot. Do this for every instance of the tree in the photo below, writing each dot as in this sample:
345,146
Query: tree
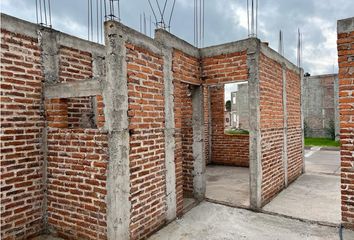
228,105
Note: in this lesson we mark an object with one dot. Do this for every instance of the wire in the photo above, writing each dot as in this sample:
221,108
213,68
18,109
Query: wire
37,10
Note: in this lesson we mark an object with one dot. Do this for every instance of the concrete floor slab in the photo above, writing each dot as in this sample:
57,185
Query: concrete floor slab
323,162
312,197
211,221
228,184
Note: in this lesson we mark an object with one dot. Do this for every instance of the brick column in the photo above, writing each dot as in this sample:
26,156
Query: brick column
345,43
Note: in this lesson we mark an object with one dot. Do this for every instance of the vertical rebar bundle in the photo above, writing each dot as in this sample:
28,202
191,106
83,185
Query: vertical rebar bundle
95,19
299,48
281,44
252,18
43,13
159,12
199,16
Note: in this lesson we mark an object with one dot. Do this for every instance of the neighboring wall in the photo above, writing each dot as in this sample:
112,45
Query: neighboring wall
345,29
22,123
320,101
280,123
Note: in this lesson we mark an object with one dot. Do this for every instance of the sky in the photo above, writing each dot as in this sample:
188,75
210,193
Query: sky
225,21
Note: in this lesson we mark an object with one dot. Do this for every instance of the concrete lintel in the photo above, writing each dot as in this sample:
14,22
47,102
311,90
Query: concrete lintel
269,52
285,128
115,98
19,26
345,25
73,89
199,165
231,47
170,40
169,137
255,131
138,39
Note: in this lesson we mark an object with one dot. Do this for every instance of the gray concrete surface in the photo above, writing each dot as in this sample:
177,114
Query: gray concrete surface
213,221
315,195
228,184
323,162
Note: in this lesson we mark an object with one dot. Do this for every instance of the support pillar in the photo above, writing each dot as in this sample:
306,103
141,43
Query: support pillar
199,180
115,97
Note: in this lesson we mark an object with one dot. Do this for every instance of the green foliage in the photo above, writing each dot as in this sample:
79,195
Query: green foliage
330,130
236,131
228,105
322,142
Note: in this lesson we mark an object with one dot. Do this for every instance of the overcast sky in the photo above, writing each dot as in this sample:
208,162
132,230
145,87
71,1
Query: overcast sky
225,21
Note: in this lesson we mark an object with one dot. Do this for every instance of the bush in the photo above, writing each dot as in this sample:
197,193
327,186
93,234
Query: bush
307,130
330,130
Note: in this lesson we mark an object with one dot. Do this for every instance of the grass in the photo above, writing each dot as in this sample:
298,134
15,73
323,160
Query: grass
236,131
322,142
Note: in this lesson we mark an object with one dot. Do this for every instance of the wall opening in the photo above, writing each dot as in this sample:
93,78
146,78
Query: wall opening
228,171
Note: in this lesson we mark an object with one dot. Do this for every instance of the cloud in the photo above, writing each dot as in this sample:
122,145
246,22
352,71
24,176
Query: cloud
225,21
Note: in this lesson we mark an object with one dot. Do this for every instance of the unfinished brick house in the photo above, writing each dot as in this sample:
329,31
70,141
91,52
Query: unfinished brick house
345,44
104,142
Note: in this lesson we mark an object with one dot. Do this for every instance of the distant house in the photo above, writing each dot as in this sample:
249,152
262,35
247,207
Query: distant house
239,107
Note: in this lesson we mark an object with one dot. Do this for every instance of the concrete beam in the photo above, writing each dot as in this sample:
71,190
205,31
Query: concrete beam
19,26
80,44
115,97
255,131
73,89
199,179
170,40
227,48
285,128
169,137
270,53
345,25
140,40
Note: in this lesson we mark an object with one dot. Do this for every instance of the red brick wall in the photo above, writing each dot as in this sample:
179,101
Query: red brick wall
185,69
225,68
346,108
225,149
147,153
77,171
272,124
294,132
21,126
183,104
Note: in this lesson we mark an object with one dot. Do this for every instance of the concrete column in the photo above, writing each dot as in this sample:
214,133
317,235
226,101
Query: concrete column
199,182
47,39
169,136
285,130
336,106
115,97
255,131
303,98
